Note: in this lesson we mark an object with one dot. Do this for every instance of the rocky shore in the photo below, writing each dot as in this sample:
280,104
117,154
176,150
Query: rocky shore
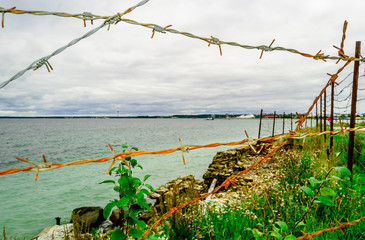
183,189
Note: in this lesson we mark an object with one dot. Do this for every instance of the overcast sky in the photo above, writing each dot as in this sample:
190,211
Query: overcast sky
124,70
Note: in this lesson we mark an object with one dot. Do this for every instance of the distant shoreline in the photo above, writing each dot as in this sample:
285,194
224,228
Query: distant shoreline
200,116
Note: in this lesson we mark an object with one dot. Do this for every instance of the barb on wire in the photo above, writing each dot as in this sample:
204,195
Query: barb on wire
342,225
88,16
215,41
41,62
159,29
341,52
266,49
3,11
35,64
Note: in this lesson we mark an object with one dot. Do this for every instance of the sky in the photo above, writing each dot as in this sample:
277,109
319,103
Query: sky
123,71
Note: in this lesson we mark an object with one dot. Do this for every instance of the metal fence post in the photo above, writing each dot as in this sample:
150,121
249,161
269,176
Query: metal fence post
283,122
273,124
350,154
260,124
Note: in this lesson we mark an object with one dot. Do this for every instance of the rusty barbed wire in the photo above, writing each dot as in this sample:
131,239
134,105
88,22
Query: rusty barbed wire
212,40
118,17
183,148
340,226
230,180
44,60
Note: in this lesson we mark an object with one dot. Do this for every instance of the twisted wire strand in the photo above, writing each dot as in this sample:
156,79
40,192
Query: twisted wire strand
120,156
342,225
91,16
44,60
118,17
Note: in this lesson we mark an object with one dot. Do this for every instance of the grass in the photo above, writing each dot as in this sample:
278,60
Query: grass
273,213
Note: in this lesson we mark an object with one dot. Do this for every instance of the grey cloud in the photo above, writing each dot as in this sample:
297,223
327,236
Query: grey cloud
125,70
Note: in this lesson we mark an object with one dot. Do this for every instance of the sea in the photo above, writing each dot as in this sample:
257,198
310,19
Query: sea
28,206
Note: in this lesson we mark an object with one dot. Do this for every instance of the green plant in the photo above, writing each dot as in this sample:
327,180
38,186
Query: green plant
131,202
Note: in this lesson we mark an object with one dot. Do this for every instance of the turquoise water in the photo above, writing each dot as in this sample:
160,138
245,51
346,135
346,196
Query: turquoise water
27,207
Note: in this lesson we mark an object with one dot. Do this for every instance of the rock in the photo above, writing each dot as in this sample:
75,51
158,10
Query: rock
56,232
87,218
105,226
181,190
225,164
116,217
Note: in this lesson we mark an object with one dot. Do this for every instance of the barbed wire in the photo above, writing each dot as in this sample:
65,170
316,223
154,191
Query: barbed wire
44,60
184,148
156,28
342,225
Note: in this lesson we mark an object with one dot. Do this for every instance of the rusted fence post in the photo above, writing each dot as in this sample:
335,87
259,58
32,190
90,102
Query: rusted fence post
283,122
316,117
350,154
273,124
320,114
332,115
260,124
291,121
325,114
311,120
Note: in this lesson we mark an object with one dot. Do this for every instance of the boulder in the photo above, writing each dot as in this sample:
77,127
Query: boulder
87,218
56,232
116,217
225,164
180,190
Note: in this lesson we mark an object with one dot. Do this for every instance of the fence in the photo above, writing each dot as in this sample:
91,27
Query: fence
292,134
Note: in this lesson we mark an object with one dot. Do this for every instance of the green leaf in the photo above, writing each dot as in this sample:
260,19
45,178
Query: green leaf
118,235
145,191
257,234
146,206
316,202
134,210
326,201
304,208
291,236
136,182
132,220
335,177
146,177
142,224
140,166
314,181
134,232
125,146
133,162
307,190
150,187
276,235
327,192
123,201
135,149
301,224
343,171
282,225
124,181
107,181
108,208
